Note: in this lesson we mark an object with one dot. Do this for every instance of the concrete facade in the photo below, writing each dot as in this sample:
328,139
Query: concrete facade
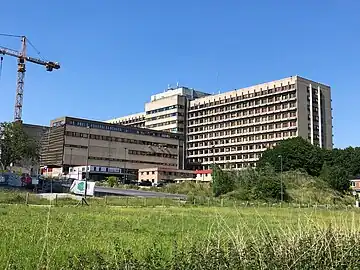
72,140
355,185
203,175
233,129
159,174
135,120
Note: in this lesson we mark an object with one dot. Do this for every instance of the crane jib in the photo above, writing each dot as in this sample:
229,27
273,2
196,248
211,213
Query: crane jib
22,58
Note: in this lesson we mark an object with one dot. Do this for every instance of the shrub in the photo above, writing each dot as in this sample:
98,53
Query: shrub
222,181
258,184
336,177
112,181
187,188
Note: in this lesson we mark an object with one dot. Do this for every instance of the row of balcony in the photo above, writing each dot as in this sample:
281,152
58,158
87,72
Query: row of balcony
240,98
239,126
239,135
269,141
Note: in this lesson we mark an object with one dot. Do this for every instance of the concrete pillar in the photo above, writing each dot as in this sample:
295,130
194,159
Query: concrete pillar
311,115
319,112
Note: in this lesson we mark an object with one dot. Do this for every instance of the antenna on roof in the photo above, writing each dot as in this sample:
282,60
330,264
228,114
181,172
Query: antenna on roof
177,84
217,81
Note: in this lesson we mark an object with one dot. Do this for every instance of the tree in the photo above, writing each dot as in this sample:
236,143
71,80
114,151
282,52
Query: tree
112,181
348,159
336,176
259,184
16,146
295,153
222,181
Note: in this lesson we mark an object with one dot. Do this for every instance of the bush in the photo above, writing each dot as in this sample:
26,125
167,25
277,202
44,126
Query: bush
112,181
186,188
258,184
222,181
336,177
335,166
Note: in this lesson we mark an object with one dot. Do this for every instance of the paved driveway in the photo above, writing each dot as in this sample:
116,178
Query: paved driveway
135,193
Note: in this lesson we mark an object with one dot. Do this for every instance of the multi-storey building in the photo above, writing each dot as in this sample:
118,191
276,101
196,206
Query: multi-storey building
135,120
233,129
167,112
74,142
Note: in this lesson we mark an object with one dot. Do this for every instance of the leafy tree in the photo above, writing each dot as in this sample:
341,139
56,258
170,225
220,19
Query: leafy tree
348,159
258,184
336,176
16,146
222,181
112,181
295,153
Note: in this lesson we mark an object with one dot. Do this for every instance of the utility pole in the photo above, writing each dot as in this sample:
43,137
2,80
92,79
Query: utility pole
109,150
87,163
125,173
213,154
178,155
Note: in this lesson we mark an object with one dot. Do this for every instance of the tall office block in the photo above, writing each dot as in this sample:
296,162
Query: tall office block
234,128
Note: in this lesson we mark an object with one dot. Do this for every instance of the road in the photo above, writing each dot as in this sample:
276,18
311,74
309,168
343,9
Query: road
134,193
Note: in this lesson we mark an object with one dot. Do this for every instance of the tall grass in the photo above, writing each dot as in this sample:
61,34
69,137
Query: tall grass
188,188
318,249
22,198
177,238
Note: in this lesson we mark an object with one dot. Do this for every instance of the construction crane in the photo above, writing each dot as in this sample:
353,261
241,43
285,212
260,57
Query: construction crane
22,59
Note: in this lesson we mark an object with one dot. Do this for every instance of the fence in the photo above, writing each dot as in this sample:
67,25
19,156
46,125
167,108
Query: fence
26,198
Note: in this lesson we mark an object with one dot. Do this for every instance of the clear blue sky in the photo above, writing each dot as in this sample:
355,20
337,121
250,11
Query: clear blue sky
115,54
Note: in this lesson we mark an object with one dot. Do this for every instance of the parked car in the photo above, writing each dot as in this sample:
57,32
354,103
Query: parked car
160,184
26,181
2,180
145,184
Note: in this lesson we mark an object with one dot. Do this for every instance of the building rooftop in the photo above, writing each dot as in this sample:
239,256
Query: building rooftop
180,90
113,127
127,117
252,89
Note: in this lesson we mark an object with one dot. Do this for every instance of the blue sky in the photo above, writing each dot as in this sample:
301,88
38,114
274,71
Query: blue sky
115,54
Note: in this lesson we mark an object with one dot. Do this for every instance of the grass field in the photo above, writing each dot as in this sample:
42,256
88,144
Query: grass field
98,237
